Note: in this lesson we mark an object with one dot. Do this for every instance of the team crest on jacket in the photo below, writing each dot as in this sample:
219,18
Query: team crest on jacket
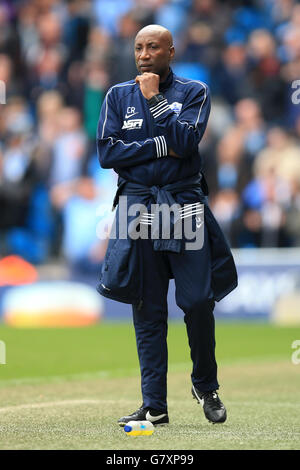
132,124
176,107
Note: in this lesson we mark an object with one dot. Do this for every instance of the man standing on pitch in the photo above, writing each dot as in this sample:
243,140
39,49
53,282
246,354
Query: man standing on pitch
149,131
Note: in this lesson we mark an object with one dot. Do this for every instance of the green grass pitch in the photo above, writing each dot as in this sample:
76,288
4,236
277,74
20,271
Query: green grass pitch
66,388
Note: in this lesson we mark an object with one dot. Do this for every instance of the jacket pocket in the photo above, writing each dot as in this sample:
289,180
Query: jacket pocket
121,275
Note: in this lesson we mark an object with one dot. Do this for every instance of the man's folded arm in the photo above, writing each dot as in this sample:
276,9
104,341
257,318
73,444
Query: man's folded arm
184,132
113,152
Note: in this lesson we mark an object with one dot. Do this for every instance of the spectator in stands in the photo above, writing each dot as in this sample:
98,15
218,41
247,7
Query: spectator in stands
83,243
76,29
250,121
69,148
231,78
281,157
122,63
114,10
226,209
13,86
264,72
233,170
25,223
96,82
292,212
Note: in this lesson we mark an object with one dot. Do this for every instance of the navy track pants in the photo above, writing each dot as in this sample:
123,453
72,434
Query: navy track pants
191,272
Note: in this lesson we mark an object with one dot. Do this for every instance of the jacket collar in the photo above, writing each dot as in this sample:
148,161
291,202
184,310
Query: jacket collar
163,86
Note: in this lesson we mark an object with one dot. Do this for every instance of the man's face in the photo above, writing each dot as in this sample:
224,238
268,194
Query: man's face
153,53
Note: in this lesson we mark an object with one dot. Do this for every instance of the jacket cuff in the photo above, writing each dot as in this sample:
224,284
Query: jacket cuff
161,146
160,109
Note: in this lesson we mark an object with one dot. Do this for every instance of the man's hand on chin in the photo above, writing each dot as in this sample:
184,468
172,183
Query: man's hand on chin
149,84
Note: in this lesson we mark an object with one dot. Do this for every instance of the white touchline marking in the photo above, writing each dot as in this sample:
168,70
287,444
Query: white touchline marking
30,406
47,404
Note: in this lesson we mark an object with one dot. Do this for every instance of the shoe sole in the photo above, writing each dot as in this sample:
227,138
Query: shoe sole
199,403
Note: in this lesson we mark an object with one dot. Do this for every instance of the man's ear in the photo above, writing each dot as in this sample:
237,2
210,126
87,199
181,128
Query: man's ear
172,52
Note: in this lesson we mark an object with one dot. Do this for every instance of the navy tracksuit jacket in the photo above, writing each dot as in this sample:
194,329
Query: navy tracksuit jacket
134,139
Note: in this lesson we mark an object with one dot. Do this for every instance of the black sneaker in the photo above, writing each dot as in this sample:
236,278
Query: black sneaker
213,408
146,414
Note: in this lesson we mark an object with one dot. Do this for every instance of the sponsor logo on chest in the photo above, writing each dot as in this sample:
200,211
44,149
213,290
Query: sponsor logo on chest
131,124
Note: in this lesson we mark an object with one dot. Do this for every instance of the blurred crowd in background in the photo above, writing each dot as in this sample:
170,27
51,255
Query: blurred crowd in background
58,59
